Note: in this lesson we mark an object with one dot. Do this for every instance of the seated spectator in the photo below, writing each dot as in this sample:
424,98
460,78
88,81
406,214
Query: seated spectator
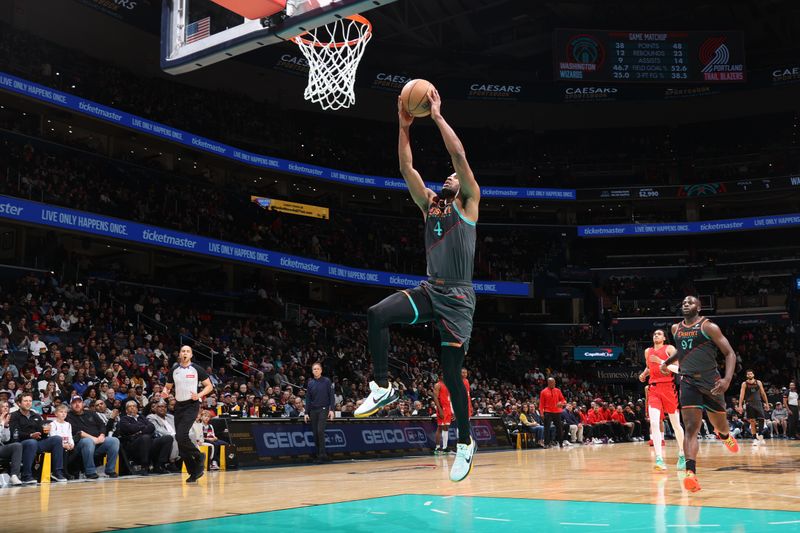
28,427
9,451
109,417
418,409
529,424
573,424
137,437
296,408
780,417
61,428
165,427
210,438
626,428
89,432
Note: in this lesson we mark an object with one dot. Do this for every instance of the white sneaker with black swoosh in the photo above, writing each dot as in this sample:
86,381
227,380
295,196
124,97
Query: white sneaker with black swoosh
462,466
378,397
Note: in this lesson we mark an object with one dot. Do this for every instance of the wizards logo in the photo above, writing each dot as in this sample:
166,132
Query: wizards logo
586,51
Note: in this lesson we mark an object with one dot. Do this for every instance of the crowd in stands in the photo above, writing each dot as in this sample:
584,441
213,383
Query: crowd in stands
738,148
83,356
95,184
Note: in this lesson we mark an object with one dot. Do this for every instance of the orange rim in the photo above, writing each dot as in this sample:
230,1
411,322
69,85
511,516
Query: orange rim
353,42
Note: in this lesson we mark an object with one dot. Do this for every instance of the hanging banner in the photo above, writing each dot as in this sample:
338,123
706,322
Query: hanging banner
15,209
293,208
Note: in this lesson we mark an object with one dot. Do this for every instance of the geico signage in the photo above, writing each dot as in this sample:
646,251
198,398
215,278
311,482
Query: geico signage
496,88
383,436
334,438
591,90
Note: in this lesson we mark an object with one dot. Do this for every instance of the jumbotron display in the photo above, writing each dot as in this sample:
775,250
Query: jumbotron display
649,56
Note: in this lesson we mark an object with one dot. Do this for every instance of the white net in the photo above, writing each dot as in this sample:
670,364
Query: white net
333,52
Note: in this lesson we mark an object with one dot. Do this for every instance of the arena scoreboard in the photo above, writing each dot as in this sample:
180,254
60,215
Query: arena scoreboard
649,56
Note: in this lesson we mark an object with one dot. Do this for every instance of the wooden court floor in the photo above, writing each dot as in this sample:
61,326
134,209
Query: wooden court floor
765,477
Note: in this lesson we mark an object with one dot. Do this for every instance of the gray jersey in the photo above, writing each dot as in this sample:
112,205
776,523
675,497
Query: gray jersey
752,394
449,242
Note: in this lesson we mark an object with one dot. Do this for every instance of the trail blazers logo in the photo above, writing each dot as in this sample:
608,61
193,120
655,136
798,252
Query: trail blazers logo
715,59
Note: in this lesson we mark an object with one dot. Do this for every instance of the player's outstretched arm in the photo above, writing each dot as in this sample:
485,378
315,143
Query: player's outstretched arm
469,186
419,193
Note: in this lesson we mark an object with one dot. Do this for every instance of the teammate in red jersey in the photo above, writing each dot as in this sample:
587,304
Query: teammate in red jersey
662,398
464,374
444,416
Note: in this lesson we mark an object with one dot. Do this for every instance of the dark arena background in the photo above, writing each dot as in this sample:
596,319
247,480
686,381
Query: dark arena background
169,177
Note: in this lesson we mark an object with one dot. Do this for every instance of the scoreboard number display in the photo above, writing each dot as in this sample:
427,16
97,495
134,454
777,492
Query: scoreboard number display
649,56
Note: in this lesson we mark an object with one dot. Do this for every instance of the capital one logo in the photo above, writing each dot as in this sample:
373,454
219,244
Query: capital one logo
415,435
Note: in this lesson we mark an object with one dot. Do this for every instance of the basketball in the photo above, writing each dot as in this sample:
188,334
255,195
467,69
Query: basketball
415,97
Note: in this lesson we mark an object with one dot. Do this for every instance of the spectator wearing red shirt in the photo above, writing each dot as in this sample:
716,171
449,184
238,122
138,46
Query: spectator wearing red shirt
600,428
551,403
627,427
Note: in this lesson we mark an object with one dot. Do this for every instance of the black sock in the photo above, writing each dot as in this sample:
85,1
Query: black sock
691,465
452,360
725,436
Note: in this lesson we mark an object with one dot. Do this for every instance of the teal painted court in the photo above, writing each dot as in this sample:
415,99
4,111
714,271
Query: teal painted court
423,513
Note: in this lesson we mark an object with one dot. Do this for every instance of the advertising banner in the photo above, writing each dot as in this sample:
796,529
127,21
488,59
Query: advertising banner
262,441
619,374
690,228
195,142
293,208
596,353
15,209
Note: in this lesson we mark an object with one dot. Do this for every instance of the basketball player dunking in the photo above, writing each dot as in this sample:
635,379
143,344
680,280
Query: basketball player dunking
697,340
662,398
447,297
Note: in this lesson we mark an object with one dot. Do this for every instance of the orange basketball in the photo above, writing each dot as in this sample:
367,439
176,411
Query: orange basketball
415,97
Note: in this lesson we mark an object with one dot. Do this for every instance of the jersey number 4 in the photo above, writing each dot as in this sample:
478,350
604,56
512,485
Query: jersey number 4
686,344
438,228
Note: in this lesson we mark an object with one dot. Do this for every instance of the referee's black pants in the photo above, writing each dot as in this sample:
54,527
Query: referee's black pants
555,419
319,419
185,415
791,430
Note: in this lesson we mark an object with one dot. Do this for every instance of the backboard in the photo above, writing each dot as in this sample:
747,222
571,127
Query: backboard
198,33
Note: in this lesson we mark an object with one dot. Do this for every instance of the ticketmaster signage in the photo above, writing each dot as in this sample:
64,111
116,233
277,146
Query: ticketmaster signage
107,114
688,228
79,221
596,353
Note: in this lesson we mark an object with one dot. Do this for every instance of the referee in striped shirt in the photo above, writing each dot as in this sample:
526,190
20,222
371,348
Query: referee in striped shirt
184,378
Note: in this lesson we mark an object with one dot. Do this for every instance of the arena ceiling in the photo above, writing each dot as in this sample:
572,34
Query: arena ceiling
486,37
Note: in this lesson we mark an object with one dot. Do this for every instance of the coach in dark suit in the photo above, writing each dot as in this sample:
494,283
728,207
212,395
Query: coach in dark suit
320,403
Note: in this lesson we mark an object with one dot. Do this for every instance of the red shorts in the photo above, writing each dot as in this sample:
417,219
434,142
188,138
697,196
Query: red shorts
663,396
445,418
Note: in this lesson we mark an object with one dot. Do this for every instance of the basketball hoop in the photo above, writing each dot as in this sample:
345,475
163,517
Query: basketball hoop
333,52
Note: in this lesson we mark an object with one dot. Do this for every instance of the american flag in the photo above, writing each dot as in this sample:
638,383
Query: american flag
198,30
